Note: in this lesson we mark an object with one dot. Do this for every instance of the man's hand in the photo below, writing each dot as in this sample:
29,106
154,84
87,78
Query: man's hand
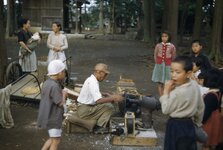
117,98
106,94
112,98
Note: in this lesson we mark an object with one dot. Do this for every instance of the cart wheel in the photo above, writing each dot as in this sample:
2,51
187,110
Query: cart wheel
13,72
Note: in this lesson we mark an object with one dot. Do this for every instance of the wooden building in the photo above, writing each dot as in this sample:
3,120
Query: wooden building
43,13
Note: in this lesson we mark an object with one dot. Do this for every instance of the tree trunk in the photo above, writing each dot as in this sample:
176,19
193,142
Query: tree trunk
3,51
146,20
71,15
140,33
101,25
77,19
113,18
153,22
149,21
10,22
172,19
80,21
14,18
66,16
216,31
197,19
165,14
183,19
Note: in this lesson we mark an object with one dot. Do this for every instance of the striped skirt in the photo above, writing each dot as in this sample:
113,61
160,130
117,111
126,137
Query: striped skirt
161,73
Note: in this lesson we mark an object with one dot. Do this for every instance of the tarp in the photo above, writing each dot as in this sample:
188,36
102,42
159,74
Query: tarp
6,120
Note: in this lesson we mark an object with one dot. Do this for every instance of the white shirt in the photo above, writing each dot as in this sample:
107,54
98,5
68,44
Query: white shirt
183,102
90,91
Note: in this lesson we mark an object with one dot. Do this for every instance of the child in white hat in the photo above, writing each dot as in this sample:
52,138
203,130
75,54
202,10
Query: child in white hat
51,109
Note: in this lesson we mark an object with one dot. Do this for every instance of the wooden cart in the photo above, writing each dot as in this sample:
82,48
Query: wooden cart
28,81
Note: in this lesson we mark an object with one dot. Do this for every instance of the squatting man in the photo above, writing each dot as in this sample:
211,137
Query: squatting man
94,105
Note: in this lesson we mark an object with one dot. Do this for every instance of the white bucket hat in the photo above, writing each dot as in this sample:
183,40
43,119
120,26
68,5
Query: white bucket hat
55,67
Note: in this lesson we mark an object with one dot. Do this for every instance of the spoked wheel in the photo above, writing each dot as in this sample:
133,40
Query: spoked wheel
13,72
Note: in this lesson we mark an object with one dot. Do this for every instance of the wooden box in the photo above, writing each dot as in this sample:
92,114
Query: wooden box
146,137
73,128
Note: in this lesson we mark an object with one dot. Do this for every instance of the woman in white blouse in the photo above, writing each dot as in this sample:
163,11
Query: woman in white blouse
57,43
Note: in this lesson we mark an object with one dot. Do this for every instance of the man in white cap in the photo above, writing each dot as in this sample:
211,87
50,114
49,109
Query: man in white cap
93,104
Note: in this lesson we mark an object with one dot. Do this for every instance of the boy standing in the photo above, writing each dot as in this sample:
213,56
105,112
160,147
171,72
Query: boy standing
197,53
182,101
51,109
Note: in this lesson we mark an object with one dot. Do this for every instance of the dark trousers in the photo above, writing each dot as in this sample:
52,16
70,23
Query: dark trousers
180,135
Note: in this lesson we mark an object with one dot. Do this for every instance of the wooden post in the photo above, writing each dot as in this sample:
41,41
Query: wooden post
3,51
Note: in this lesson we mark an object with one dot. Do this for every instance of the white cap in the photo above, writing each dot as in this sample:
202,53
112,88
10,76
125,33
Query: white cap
55,67
101,67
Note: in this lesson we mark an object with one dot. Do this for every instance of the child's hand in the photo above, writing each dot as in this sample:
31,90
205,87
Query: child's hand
65,92
192,77
168,86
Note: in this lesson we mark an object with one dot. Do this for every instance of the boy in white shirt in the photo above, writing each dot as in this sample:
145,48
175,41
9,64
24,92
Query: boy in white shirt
181,100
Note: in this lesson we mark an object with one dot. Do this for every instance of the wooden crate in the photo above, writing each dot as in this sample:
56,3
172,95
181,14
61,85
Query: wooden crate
127,86
73,128
128,90
145,138
126,83
142,138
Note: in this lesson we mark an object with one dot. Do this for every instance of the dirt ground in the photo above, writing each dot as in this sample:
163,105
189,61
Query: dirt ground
130,59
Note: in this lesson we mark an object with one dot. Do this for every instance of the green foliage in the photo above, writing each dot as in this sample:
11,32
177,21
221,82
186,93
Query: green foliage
126,12
93,17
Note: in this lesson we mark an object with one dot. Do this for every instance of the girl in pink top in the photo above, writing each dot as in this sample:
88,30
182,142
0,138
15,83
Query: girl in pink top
164,53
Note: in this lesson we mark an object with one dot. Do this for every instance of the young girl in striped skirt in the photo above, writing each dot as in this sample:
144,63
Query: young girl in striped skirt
164,53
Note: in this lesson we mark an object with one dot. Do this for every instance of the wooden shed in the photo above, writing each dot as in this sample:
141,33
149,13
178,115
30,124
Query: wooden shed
43,12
